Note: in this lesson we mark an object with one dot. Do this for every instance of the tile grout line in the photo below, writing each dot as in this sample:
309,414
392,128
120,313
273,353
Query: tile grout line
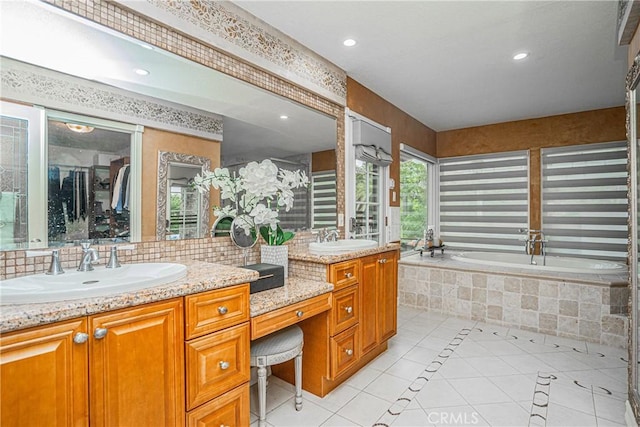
416,386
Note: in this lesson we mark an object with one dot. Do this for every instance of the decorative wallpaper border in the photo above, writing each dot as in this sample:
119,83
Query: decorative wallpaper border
28,83
229,27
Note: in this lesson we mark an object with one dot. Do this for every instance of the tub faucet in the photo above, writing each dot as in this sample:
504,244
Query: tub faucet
89,255
535,237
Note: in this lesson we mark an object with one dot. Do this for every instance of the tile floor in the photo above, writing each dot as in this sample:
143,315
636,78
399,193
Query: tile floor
445,371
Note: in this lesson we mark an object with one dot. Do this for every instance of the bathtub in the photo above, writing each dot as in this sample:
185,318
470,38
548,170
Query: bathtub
553,263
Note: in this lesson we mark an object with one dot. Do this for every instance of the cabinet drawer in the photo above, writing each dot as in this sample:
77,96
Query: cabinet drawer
214,310
281,318
345,310
344,274
231,409
344,351
216,363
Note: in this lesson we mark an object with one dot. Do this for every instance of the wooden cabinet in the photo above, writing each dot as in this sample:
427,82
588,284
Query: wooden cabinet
217,357
344,351
346,309
136,371
43,376
118,368
379,299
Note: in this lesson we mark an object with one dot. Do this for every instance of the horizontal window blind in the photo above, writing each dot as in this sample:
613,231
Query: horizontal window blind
584,200
324,199
484,200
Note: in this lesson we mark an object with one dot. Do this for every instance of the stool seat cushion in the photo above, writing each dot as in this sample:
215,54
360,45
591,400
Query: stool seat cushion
277,342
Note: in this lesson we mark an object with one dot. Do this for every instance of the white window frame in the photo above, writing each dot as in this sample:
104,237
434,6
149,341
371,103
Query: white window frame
350,181
433,188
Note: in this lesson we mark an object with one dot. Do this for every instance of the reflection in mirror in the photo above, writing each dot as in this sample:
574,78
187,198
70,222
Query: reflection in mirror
89,189
240,237
183,212
251,123
222,227
635,110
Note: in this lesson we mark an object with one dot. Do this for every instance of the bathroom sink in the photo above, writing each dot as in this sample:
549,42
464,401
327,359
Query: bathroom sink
341,246
99,282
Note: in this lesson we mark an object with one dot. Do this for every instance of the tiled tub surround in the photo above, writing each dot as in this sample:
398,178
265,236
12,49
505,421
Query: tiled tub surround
585,307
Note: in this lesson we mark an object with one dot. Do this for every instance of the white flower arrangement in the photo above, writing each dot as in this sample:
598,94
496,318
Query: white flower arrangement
258,193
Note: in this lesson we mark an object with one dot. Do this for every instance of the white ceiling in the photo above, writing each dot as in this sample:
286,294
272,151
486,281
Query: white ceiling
449,63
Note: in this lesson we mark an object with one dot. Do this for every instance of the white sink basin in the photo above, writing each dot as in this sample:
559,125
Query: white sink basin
341,246
83,284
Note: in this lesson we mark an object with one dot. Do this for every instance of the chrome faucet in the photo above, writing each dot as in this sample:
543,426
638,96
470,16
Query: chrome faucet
331,235
55,267
535,237
113,259
89,255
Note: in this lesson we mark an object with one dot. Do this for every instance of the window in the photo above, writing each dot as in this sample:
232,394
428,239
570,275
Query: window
323,188
584,200
416,204
367,224
184,207
484,200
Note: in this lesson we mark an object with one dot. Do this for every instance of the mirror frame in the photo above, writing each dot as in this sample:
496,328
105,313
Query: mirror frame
166,158
632,86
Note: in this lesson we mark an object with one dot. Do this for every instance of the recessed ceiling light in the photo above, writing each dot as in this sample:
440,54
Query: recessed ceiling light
520,56
284,117
349,42
141,72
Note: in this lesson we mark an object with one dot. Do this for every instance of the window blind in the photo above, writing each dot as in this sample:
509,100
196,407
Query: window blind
324,199
584,200
484,200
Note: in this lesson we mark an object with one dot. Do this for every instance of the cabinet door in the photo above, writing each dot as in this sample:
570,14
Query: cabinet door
368,303
387,295
137,367
43,376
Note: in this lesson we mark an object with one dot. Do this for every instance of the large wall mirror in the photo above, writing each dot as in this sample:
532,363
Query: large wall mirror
256,125
633,119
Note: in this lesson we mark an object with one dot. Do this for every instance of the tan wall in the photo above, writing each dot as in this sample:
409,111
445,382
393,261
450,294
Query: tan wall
323,161
634,47
154,141
404,128
555,131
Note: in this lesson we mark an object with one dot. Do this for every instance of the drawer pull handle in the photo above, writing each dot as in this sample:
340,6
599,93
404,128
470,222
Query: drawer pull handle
348,275
299,313
80,338
349,352
100,333
382,261
223,310
349,309
224,365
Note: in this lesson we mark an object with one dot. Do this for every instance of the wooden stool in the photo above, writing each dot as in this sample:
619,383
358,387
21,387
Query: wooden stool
276,348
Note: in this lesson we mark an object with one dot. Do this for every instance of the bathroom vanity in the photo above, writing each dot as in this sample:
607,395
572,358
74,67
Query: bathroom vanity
178,354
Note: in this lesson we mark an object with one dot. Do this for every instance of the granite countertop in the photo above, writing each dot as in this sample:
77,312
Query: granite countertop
446,261
305,255
295,289
201,276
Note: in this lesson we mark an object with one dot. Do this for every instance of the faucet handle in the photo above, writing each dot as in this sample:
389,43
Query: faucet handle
55,267
85,245
113,259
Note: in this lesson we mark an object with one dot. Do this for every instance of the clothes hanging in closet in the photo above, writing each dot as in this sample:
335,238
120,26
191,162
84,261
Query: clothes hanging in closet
74,195
121,188
56,222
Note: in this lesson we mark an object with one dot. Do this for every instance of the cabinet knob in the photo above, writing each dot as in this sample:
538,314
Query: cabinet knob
299,313
80,338
224,365
382,261
349,309
349,352
223,310
100,333
348,275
